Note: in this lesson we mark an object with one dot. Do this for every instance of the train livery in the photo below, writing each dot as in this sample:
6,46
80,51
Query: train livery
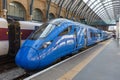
55,39
3,36
26,28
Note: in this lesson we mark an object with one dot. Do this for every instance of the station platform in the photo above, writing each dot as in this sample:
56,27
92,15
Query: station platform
101,62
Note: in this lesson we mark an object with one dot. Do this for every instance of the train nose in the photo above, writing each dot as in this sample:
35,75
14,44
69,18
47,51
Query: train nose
27,58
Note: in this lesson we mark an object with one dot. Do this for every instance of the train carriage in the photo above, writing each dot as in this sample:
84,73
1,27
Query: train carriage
53,40
26,28
3,36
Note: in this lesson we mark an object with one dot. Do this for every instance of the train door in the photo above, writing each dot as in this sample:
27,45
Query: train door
81,37
85,38
14,38
76,29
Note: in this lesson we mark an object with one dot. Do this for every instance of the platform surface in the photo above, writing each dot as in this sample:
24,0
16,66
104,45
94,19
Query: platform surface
105,66
101,62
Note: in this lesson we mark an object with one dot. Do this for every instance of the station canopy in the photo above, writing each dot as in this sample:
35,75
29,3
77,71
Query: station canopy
93,11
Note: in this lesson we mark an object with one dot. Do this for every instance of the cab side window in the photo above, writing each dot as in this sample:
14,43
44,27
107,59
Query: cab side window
66,31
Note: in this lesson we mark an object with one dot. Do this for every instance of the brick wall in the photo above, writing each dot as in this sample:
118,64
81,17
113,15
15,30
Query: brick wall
39,4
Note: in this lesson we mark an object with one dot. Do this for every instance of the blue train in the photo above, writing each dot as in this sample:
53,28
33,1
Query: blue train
55,39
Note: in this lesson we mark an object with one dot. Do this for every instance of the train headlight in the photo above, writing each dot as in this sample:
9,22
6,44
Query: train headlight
46,44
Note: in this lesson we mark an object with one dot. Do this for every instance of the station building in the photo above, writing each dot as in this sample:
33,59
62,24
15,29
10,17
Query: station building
92,54
20,10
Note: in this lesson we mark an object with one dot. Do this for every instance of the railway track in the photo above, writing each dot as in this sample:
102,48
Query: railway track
6,63
8,68
27,74
21,77
9,64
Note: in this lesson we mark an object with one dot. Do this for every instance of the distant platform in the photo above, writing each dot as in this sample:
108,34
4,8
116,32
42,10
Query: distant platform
101,62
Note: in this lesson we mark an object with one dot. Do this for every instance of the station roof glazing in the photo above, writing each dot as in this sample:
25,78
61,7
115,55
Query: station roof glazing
107,11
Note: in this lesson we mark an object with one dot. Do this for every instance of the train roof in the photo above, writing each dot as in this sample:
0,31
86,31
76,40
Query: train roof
61,20
3,23
29,24
58,21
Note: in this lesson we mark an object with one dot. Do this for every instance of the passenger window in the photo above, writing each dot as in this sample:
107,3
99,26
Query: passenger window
66,31
92,34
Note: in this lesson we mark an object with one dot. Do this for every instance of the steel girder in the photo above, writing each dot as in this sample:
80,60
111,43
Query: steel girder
4,2
75,9
48,8
97,8
107,5
69,7
31,6
92,10
60,8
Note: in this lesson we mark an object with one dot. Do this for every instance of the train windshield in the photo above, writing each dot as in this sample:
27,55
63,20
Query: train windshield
42,31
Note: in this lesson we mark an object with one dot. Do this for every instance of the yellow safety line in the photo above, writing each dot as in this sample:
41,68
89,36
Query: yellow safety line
74,71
